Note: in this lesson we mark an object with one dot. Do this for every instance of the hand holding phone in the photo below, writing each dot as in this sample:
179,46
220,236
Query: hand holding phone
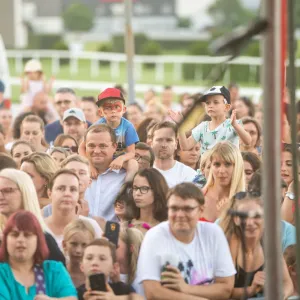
97,282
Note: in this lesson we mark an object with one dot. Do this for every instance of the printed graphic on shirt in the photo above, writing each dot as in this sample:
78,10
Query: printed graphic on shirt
190,274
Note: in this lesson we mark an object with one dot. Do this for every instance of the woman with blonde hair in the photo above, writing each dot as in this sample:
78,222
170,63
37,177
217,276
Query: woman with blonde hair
17,193
32,131
130,241
40,167
77,235
226,178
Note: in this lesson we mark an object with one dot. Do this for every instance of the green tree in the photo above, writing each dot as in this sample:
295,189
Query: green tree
184,23
229,14
78,17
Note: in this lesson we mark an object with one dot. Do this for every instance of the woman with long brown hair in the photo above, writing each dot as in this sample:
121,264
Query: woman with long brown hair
149,189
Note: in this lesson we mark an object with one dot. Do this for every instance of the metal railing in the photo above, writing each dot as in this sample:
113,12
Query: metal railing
116,59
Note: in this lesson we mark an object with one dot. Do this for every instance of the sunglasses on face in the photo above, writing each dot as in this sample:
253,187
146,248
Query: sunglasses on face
73,149
65,102
250,194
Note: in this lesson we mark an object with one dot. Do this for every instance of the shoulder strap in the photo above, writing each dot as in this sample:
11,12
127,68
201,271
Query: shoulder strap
39,280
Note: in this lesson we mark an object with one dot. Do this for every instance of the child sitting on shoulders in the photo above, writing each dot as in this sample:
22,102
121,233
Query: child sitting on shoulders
209,133
111,103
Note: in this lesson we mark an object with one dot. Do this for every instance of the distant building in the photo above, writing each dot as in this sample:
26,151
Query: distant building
45,16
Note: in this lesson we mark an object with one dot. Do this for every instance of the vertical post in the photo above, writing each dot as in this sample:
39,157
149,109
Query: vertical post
129,46
272,145
292,87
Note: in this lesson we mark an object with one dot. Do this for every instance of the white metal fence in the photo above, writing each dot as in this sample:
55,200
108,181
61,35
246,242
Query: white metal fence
115,59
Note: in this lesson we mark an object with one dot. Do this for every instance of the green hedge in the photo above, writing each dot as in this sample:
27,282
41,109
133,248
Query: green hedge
61,45
42,41
119,45
105,47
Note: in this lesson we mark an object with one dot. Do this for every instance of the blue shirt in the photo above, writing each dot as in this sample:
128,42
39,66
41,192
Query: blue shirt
126,135
58,283
54,129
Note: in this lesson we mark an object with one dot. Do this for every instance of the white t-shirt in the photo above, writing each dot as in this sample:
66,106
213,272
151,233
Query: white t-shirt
209,138
95,225
201,261
178,174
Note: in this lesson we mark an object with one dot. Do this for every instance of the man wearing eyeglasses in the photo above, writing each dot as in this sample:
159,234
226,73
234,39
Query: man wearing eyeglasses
183,258
64,99
144,155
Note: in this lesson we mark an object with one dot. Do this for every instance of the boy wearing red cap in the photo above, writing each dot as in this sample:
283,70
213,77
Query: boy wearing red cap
111,103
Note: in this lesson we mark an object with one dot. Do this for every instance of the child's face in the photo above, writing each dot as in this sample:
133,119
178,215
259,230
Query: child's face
75,245
215,106
112,110
34,75
97,259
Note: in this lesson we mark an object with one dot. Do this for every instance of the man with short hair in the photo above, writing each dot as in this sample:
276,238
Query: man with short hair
164,145
183,258
7,162
167,98
74,124
144,155
90,109
64,99
42,107
100,144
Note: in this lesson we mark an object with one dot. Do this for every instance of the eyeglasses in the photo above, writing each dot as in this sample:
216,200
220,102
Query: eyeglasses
119,204
145,159
65,102
142,189
6,192
73,149
185,209
250,194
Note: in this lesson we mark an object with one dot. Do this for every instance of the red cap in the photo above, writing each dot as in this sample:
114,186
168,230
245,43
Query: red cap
110,93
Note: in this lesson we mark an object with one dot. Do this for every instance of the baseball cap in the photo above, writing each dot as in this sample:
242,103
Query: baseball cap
33,65
108,94
217,90
75,113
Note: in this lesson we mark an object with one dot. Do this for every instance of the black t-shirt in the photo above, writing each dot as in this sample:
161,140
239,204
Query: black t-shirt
54,251
119,289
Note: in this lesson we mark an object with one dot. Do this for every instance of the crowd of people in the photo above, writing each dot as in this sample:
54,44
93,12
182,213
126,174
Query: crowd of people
187,199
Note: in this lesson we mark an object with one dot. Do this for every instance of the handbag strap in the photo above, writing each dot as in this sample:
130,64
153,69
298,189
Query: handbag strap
39,280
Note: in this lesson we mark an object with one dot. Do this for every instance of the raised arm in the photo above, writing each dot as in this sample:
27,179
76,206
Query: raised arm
241,132
287,207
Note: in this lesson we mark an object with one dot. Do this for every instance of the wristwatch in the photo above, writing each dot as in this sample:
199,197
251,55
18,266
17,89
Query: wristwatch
290,195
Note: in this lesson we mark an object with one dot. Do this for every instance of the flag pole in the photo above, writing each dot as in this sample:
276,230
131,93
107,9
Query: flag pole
272,148
129,45
292,90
